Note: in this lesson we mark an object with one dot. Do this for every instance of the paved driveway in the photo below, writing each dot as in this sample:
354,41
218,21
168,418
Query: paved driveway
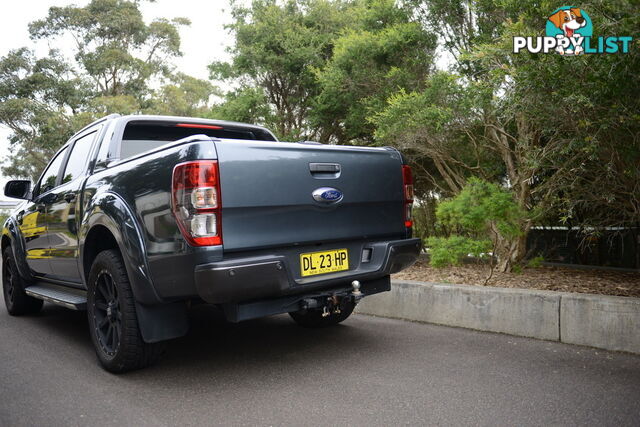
368,371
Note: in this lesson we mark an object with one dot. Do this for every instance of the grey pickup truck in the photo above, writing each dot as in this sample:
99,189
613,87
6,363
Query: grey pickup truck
137,218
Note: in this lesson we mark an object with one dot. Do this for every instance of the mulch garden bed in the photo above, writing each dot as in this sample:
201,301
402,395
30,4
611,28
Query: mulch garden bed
544,278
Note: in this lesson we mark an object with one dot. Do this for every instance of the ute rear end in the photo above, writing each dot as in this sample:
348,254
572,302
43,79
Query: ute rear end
298,219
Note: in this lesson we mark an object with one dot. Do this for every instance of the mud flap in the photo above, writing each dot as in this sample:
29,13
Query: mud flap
162,322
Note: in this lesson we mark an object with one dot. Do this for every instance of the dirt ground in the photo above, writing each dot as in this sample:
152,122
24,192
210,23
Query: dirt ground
545,278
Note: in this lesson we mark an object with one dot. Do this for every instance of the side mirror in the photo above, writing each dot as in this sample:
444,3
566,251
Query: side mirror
18,189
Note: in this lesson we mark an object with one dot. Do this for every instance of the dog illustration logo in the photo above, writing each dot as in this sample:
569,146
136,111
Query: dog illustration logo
569,32
572,23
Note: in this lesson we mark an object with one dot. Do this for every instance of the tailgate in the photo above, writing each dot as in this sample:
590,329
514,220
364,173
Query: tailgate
267,193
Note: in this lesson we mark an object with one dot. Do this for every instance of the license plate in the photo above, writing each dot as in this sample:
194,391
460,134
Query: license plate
313,263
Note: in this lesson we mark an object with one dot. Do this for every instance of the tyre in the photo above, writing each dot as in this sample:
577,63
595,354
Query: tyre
16,300
113,323
314,318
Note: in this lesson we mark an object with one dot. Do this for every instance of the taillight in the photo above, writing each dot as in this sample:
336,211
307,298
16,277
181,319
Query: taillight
196,202
407,182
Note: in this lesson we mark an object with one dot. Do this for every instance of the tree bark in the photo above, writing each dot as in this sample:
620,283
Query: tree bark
510,252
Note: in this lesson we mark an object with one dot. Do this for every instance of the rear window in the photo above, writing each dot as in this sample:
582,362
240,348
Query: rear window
142,136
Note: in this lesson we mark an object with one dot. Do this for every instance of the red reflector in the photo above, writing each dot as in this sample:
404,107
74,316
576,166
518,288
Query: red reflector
197,126
408,224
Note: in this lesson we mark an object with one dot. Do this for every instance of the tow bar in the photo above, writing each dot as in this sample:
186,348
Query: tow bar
334,303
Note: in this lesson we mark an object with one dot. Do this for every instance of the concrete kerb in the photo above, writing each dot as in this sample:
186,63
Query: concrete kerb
611,323
608,322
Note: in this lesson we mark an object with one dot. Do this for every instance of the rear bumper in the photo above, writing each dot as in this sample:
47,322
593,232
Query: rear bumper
264,277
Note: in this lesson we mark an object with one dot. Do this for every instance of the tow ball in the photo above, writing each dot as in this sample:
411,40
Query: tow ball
357,295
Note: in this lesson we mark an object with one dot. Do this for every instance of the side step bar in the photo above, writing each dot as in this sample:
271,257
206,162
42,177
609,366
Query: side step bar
75,299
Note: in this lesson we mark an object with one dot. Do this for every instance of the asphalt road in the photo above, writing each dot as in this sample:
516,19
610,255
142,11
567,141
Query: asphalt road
367,371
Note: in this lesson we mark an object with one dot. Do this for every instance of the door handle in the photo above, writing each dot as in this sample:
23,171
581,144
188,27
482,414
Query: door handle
324,167
70,197
325,170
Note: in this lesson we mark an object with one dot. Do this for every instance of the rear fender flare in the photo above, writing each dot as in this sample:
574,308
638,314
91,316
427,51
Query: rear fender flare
111,211
157,321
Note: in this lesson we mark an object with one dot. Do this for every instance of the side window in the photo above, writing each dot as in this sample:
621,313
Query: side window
50,175
78,157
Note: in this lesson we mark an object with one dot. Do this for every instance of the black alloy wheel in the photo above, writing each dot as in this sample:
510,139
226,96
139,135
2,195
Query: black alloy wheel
107,315
15,299
8,282
113,320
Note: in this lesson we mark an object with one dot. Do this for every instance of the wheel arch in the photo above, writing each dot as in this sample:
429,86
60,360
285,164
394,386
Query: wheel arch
109,224
98,239
11,236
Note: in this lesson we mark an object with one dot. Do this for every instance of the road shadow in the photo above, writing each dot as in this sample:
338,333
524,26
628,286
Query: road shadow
215,347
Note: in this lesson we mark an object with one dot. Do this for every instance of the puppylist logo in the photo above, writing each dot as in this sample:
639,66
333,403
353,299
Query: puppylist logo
569,31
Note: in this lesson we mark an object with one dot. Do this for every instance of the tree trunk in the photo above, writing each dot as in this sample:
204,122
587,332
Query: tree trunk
510,252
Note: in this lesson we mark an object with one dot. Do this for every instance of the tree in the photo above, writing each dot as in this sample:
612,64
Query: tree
277,47
247,104
386,51
114,46
183,96
323,66
118,59
542,126
39,99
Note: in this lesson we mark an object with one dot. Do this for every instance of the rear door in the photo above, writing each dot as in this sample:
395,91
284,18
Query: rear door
65,210
33,221
268,189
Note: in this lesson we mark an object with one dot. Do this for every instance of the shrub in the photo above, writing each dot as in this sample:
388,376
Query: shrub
484,218
535,262
481,208
448,251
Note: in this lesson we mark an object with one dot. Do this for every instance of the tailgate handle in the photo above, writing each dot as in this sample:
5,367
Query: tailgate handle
325,170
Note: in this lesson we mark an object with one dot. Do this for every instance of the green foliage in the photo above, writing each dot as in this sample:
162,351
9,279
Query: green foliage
248,104
183,96
481,217
118,57
451,251
424,218
36,96
277,46
114,46
535,262
560,133
482,208
322,66
386,51
436,128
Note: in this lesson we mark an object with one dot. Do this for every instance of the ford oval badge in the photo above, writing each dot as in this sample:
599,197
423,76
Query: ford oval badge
327,195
